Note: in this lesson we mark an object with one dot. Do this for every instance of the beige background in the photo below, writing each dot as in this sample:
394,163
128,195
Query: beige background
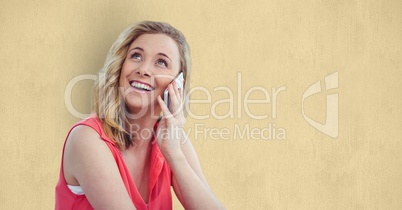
44,44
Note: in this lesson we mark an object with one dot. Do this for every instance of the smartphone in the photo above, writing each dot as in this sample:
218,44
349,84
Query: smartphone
179,83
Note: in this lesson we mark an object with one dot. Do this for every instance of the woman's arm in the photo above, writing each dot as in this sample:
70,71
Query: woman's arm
89,163
188,180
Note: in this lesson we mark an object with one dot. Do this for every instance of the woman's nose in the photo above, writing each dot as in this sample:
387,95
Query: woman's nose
144,69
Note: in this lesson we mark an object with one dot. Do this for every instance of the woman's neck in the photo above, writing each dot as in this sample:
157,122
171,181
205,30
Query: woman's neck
141,124
141,130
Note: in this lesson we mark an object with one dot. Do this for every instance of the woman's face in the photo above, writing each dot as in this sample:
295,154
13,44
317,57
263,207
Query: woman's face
152,62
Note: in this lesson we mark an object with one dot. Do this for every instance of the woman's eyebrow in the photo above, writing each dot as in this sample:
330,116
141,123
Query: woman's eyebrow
163,54
137,48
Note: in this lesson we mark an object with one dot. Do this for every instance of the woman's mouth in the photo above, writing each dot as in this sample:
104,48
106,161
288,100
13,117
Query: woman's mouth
141,86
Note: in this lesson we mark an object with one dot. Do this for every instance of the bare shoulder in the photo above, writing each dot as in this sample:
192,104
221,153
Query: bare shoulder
89,163
82,137
82,142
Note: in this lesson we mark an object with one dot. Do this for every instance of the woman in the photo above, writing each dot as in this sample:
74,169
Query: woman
115,159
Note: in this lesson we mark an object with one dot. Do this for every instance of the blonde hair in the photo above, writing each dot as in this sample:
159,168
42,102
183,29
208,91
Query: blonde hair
107,103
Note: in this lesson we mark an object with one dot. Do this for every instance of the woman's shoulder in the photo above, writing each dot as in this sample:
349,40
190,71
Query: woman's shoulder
92,121
89,163
89,128
83,131
84,137
84,140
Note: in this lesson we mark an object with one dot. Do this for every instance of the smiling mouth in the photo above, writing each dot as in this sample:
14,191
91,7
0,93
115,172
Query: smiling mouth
141,86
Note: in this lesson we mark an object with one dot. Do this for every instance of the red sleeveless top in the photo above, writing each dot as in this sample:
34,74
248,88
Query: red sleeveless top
159,181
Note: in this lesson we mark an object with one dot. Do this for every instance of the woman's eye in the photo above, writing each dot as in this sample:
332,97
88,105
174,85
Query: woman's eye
136,56
161,62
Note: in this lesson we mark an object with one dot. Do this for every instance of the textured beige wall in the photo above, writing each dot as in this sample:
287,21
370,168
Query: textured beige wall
291,44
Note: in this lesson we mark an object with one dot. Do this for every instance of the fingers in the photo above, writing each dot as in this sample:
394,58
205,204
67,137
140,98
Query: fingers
165,109
175,98
181,94
177,91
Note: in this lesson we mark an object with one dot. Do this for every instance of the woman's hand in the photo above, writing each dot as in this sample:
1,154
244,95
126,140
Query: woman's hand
181,156
170,133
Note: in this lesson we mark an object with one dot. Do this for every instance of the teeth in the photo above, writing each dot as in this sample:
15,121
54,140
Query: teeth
141,86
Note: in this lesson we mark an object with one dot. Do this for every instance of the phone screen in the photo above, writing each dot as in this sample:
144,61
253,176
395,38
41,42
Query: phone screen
179,83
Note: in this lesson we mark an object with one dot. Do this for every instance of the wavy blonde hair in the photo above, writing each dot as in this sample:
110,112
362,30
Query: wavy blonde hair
107,103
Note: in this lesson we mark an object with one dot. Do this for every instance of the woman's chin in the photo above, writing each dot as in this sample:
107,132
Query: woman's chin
140,105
